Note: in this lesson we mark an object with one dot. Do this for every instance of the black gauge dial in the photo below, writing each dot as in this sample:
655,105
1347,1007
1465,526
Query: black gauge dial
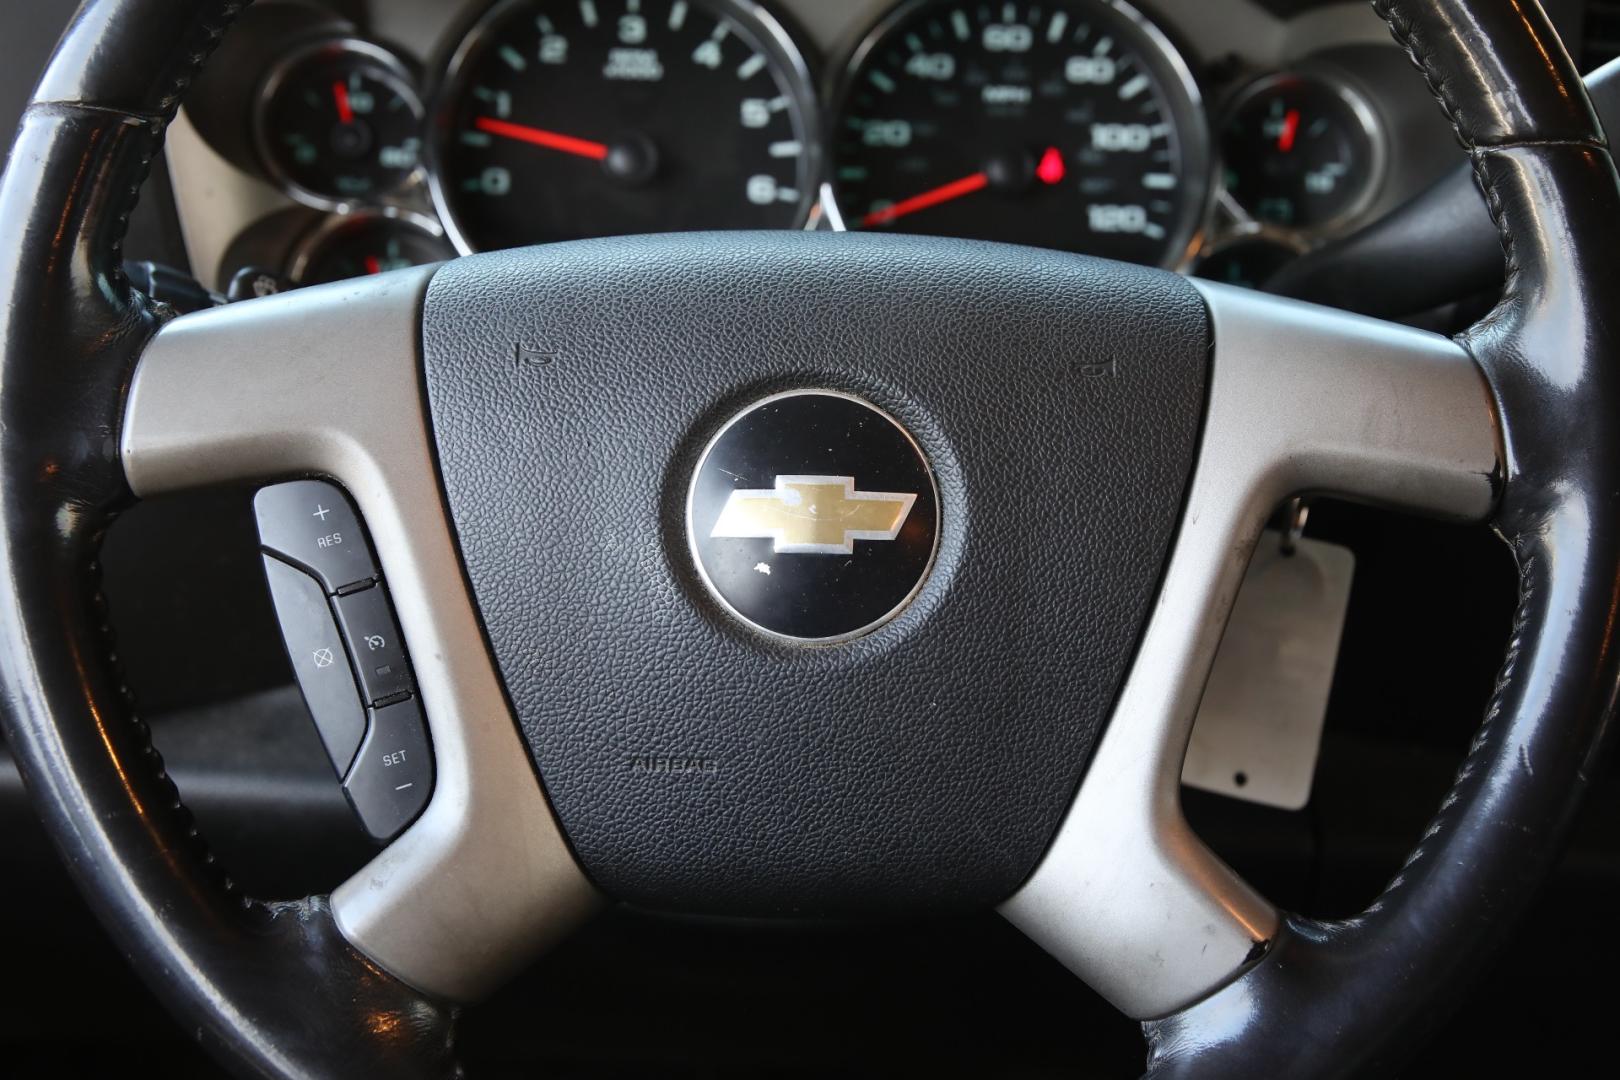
1300,152
576,118
356,245
1248,262
1069,124
339,123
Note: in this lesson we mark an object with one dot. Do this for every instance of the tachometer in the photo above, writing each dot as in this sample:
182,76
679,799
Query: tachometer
575,118
1067,123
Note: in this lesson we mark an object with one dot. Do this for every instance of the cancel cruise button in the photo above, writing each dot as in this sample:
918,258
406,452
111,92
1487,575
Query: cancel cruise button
393,773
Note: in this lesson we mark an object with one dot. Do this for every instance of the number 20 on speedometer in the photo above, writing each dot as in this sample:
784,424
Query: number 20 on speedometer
1070,124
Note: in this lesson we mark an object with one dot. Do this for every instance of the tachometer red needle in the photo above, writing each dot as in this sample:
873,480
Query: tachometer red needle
340,94
1290,128
373,264
549,139
944,193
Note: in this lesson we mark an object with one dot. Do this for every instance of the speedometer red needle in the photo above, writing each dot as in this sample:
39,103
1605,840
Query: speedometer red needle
944,193
549,139
340,94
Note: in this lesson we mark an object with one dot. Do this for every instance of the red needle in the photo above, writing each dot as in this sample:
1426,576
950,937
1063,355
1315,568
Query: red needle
373,264
944,193
1051,169
549,139
340,94
1285,140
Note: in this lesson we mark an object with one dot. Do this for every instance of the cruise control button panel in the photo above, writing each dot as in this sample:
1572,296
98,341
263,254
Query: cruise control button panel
312,524
373,638
347,651
393,773
318,659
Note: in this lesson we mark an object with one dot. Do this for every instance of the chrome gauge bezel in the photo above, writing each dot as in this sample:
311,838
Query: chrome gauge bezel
1185,99
393,71
772,36
1246,232
1366,118
310,245
718,595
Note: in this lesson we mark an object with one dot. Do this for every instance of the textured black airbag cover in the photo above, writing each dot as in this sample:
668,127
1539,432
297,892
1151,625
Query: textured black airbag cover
696,765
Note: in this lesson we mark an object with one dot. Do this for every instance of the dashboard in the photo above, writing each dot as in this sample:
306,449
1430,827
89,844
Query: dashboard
196,631
335,138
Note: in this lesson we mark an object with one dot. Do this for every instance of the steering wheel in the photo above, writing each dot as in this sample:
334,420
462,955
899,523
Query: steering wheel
979,693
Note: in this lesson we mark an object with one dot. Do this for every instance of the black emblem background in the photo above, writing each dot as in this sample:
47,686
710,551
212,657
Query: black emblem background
814,596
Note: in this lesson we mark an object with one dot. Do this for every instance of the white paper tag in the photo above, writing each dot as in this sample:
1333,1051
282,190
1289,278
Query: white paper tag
1259,727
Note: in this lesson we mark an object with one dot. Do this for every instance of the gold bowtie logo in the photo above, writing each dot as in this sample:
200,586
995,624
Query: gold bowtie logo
813,515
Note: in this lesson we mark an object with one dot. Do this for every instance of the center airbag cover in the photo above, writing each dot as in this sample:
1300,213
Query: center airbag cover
699,764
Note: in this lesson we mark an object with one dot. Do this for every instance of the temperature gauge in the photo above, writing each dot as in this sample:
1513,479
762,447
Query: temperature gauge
338,123
355,245
1301,152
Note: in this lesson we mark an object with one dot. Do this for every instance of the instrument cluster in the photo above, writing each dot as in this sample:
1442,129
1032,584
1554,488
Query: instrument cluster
1083,125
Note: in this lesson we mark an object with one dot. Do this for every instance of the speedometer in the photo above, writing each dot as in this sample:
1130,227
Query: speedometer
1066,123
574,118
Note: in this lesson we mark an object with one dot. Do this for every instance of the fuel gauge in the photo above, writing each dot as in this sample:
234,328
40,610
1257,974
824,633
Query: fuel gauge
1301,152
338,122
356,245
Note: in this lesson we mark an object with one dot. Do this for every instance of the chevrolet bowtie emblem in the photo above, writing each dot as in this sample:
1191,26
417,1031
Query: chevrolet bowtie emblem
813,515
757,487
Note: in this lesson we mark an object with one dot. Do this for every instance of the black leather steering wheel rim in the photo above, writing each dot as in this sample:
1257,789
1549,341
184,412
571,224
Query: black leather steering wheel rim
1348,997
222,962
1323,999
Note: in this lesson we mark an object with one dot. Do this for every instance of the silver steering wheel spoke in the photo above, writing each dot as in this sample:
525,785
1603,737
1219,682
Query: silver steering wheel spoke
327,382
1302,399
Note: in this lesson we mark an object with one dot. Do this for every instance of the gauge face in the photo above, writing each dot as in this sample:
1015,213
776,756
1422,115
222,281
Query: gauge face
1069,124
339,123
361,244
1248,262
575,118
1300,152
